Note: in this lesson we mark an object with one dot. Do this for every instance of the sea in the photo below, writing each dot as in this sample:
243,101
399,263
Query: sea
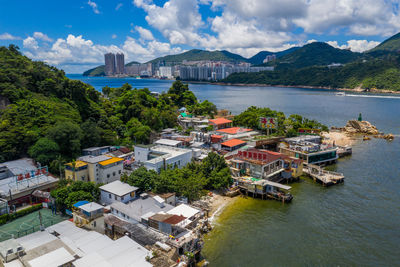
356,223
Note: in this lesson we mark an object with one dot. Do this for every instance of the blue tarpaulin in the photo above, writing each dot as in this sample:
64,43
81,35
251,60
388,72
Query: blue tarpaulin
80,203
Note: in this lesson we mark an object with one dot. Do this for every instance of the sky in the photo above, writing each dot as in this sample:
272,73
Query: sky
74,35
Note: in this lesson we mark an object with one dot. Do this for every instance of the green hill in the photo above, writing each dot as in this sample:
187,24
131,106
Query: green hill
99,71
49,117
375,73
197,55
390,45
258,58
315,54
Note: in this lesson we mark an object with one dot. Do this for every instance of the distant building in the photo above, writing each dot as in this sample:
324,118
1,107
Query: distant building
120,64
269,58
109,68
165,72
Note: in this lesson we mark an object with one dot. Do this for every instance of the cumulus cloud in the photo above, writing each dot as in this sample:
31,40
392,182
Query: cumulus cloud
355,45
145,34
30,43
42,36
94,6
114,36
7,36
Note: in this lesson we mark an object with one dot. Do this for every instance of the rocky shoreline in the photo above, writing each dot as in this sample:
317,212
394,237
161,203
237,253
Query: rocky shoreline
354,127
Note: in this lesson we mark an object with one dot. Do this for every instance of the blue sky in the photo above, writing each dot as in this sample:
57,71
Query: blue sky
74,35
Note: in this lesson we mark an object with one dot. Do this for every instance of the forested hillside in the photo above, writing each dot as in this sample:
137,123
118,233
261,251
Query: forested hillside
51,118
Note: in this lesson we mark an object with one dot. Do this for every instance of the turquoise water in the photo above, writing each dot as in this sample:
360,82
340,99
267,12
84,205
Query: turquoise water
353,224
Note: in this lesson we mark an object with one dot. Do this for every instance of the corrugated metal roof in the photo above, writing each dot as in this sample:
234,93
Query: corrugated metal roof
220,121
110,161
233,142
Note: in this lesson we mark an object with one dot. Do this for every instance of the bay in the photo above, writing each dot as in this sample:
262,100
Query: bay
353,224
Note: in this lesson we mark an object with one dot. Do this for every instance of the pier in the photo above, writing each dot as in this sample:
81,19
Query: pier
327,178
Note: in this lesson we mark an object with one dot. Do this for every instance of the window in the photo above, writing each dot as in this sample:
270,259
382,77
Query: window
112,209
108,175
119,171
94,223
122,198
115,197
109,195
113,173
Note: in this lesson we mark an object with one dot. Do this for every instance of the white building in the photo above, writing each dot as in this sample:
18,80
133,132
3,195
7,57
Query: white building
64,244
165,72
157,157
117,191
168,142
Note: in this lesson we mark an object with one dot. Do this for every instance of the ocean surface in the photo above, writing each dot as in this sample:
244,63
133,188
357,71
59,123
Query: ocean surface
352,224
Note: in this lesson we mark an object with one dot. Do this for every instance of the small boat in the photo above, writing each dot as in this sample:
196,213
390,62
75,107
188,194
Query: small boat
340,94
366,138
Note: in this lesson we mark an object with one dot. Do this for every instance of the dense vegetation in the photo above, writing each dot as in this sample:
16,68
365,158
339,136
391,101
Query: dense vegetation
197,54
390,45
97,71
314,54
375,73
190,181
287,126
51,117
69,192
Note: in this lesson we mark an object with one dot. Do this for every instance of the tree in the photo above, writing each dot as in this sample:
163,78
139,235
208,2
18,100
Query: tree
68,136
91,134
44,150
142,178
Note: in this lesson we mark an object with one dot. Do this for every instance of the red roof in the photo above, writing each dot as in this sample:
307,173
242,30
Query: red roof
234,130
216,136
220,121
174,219
233,143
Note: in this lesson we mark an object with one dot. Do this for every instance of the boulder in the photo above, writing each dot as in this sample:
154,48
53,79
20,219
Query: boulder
360,127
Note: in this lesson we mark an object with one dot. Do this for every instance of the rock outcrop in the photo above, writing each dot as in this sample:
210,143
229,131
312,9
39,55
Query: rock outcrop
360,127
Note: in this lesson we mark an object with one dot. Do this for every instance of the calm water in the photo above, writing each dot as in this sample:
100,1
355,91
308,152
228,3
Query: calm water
353,224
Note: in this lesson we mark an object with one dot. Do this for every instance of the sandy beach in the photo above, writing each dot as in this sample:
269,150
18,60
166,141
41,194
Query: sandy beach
218,203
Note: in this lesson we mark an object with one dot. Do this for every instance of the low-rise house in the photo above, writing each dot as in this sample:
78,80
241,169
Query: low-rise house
169,224
309,149
232,144
220,123
139,210
96,151
265,164
64,244
169,142
89,216
117,191
156,157
20,178
100,169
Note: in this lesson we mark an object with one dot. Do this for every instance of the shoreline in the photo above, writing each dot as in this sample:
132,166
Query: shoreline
357,90
218,203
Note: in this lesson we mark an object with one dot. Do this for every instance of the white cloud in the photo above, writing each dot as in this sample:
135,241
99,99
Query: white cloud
75,54
145,34
355,45
30,43
118,6
177,20
360,17
7,36
42,36
94,6
114,36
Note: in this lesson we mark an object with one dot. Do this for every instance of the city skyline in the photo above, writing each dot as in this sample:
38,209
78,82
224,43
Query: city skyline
77,38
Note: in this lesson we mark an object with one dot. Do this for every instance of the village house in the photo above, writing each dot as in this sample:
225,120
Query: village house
117,191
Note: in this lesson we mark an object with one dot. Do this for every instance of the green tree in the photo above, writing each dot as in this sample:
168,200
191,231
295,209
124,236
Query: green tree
44,151
68,136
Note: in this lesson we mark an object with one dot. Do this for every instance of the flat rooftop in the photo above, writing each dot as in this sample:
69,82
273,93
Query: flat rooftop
19,166
167,152
168,142
118,188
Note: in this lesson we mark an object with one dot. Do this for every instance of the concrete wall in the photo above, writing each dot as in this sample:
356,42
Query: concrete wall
141,154
110,173
109,198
